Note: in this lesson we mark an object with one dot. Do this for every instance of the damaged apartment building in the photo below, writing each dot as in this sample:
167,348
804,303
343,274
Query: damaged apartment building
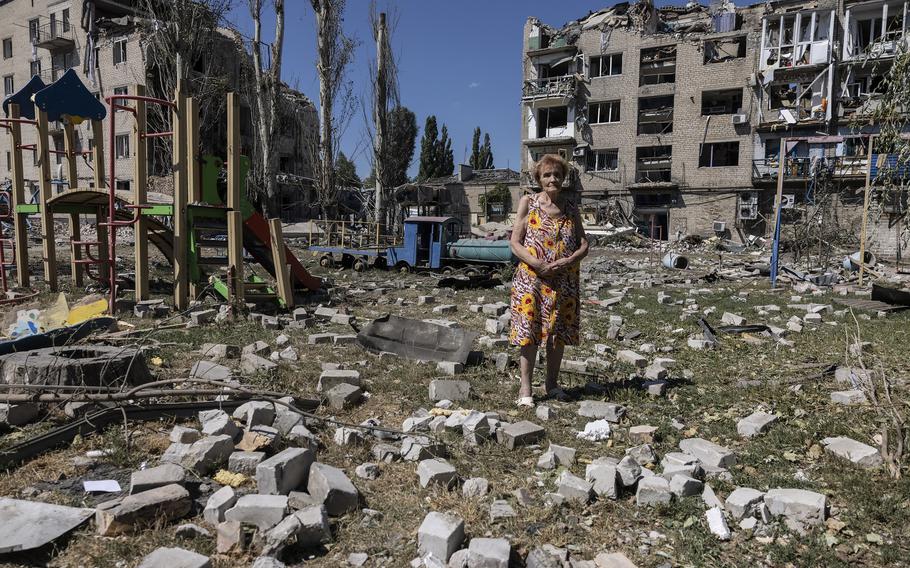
108,43
675,115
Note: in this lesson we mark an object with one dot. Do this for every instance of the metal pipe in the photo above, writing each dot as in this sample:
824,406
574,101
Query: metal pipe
157,134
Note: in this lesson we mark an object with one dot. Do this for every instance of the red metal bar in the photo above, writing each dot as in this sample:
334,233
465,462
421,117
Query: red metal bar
27,146
3,264
126,108
109,100
157,134
19,120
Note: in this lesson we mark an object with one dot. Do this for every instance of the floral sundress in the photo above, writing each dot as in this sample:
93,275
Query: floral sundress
544,307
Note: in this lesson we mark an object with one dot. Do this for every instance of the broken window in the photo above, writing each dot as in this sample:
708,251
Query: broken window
552,121
606,65
718,50
119,51
729,101
600,113
796,39
9,86
655,115
122,146
33,30
602,160
658,65
34,67
7,48
653,164
718,154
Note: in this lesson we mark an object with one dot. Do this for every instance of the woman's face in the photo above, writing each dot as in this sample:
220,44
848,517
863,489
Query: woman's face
551,178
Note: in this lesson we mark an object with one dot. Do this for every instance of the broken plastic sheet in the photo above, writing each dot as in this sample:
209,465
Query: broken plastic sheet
415,339
25,525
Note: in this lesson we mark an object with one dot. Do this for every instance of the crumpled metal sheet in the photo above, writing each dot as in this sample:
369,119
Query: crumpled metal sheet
415,339
25,525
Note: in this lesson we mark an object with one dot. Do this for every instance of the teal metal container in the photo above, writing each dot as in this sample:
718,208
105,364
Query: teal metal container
482,250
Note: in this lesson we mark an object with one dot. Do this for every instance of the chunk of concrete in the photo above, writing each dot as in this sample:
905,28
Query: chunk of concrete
629,471
613,560
436,472
219,351
332,378
857,452
489,553
255,413
717,523
263,511
183,435
450,368
574,488
598,409
284,472
806,507
440,535
165,557
632,358
603,479
742,501
208,454
20,522
683,485
164,474
218,504
475,428
210,371
449,389
708,453
475,487
252,364
653,491
217,423
343,396
306,528
520,434
849,397
755,424
245,462
331,487
142,509
643,434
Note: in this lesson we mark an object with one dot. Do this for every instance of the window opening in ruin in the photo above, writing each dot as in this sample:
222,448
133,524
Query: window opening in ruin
718,154
34,67
66,20
33,30
7,48
602,113
602,160
119,51
9,86
655,115
728,101
606,65
121,90
552,121
653,163
658,65
718,50
122,146
123,185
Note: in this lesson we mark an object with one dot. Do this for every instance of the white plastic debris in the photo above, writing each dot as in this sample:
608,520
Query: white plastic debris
717,523
595,431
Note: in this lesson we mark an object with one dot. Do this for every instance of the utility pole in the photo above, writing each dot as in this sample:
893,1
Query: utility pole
381,98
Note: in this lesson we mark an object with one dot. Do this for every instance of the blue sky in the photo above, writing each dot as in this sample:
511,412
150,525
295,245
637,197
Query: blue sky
457,59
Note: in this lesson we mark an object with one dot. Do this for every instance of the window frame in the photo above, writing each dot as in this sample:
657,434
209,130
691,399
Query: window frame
124,141
121,90
32,65
596,155
613,104
600,59
12,84
34,30
728,91
8,41
119,46
706,160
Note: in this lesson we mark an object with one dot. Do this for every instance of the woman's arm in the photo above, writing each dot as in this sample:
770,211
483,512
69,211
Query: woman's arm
519,229
581,238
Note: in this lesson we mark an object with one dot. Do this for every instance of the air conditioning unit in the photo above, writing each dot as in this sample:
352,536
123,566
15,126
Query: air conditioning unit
748,198
740,119
578,152
720,227
787,201
748,211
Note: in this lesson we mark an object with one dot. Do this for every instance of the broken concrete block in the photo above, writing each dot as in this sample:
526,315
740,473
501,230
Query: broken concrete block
345,436
475,428
164,474
475,487
440,535
742,501
343,396
218,504
367,471
120,516
330,486
332,378
574,488
217,423
175,557
302,437
717,524
425,300
436,472
732,319
251,364
285,418
320,338
417,423
385,453
653,491
857,452
417,448
632,358
613,560
255,413
245,462
445,309
598,409
447,389
256,348
643,434
284,472
208,454
183,435
210,371
489,553
849,397
203,317
803,506
708,453
755,424
450,368
628,470
500,509
520,434
603,479
264,511
710,498
683,485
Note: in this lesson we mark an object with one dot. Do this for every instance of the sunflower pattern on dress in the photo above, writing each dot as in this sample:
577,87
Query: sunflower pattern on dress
544,307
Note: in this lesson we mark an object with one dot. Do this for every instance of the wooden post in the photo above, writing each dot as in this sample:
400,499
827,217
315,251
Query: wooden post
233,152
178,127
235,256
140,197
98,159
781,161
18,198
69,142
49,251
866,193
279,259
193,171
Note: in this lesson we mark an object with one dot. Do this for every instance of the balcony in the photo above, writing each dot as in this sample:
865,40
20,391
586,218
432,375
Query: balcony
658,175
51,75
840,167
549,87
54,36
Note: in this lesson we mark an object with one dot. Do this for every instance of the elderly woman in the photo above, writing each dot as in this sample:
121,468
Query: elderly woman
549,241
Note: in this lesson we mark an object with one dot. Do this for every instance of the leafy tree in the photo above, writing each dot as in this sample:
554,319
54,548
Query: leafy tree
481,155
346,172
445,159
428,150
402,138
474,162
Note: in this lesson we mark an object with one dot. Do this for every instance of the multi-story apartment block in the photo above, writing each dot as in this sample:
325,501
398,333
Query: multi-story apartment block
104,42
677,114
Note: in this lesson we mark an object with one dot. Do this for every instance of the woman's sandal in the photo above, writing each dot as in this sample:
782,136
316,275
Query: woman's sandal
525,402
558,394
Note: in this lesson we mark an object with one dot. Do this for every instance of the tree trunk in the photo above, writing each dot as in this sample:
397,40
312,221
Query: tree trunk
268,97
325,45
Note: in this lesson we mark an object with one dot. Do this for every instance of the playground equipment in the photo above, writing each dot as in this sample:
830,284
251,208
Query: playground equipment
428,242
191,212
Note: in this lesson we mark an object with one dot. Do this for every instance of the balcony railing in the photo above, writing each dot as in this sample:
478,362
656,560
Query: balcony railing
653,175
801,169
51,75
53,35
562,87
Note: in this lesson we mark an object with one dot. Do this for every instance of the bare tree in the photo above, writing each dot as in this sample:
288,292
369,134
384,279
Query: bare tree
334,52
180,40
266,101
